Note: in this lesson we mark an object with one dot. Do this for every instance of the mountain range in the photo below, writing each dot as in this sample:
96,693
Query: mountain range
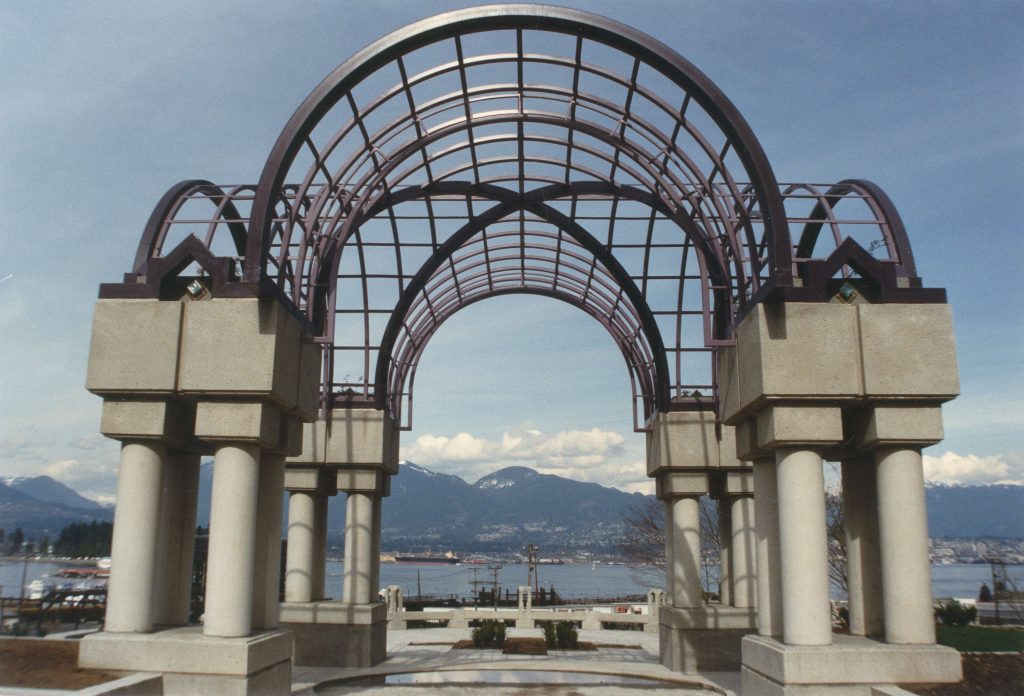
42,506
502,511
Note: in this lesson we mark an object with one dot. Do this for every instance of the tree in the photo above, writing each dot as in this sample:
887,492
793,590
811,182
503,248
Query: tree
838,575
17,539
643,543
84,540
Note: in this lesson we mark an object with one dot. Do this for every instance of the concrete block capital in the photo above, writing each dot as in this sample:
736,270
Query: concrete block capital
900,424
789,425
670,485
159,419
238,421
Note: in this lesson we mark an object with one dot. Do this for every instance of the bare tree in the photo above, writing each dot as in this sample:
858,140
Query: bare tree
837,572
643,543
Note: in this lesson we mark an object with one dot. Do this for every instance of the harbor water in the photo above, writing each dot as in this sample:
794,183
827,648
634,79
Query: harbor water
572,581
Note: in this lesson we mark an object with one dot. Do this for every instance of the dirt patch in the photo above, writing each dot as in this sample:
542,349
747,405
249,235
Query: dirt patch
524,646
46,664
531,646
984,675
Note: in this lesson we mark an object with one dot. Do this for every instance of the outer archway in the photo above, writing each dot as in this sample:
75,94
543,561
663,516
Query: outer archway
503,149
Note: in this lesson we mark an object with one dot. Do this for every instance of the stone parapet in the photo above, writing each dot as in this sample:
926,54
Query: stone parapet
358,438
243,349
838,354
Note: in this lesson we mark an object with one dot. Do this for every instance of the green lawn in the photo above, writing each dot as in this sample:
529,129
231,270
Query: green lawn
982,638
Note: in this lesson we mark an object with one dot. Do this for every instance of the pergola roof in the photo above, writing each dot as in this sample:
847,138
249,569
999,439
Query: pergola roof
526,149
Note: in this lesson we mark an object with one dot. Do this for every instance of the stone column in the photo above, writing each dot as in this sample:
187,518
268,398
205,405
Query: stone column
134,546
743,549
685,558
806,614
173,596
229,574
267,564
725,577
299,571
320,509
863,562
670,576
358,548
378,504
769,574
903,532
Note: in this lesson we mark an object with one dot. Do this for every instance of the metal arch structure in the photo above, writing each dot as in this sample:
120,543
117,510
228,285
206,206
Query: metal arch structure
585,162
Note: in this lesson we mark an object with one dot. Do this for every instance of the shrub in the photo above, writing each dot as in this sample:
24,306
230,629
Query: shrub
953,613
566,635
550,639
489,634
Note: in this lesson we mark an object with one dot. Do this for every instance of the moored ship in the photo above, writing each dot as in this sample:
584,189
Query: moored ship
448,558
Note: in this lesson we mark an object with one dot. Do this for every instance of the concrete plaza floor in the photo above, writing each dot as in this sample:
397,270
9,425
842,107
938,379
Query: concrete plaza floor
620,653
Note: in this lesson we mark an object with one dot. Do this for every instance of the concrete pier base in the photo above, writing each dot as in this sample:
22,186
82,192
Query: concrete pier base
335,634
705,639
851,666
192,663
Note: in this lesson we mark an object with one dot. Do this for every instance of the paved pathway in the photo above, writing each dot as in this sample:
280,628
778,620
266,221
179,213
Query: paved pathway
429,652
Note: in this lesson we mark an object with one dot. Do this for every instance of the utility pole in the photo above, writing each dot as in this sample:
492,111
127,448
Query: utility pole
531,568
419,591
476,587
494,582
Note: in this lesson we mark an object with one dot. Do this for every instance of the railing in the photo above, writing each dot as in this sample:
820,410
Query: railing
638,616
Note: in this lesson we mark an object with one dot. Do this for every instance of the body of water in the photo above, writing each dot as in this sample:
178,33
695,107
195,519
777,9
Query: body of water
571,580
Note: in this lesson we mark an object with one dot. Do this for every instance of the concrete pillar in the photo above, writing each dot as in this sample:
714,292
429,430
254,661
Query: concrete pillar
375,550
863,560
266,604
806,610
134,545
229,574
743,550
180,488
685,552
299,571
358,548
670,576
769,574
725,551
903,533
320,509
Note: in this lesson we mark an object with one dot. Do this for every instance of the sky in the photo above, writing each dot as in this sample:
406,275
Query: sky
107,104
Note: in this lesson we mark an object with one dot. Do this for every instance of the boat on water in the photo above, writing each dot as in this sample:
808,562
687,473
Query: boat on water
448,558
72,580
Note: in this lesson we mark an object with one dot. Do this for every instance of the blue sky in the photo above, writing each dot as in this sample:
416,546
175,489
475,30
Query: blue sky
108,104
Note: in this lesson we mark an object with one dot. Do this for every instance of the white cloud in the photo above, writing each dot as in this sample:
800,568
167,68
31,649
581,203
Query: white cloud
99,476
597,455
970,469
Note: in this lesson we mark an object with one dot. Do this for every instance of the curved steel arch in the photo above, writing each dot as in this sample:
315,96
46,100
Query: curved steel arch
567,225
155,232
562,148
887,219
410,376
561,269
696,86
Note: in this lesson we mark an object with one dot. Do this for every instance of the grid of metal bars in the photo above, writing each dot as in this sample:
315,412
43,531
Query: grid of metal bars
523,252
521,149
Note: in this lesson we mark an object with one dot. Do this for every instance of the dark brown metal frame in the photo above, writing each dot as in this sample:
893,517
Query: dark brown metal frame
425,184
